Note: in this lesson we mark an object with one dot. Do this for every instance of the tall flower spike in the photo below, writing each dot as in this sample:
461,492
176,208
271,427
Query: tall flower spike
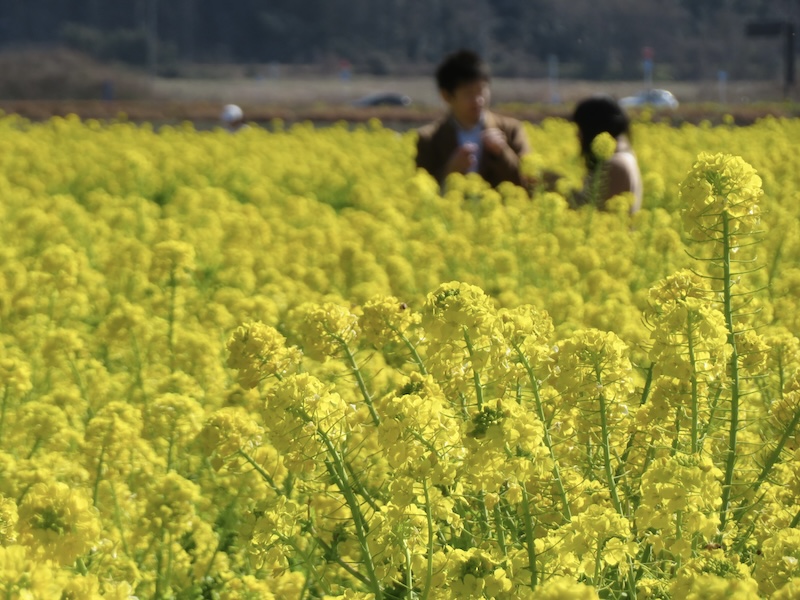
604,146
721,195
717,184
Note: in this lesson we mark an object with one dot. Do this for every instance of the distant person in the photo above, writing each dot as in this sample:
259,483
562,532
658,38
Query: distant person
470,138
619,173
232,117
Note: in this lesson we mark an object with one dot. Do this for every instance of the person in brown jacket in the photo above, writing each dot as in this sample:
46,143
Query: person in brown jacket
470,138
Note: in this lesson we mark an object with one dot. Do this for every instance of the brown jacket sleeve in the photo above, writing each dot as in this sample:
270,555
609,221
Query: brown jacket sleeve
425,155
436,142
506,166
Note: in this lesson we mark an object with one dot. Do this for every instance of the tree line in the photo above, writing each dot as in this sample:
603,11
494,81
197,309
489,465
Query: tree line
690,39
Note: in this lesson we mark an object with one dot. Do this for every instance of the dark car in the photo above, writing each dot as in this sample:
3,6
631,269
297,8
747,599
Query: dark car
383,99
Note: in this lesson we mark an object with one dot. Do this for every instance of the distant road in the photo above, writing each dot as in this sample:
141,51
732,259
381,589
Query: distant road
330,90
327,100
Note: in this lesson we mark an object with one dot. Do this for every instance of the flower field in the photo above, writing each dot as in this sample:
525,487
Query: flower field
281,364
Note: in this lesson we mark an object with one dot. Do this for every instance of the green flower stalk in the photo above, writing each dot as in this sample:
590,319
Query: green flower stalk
547,438
721,195
173,263
386,320
690,345
734,373
594,375
3,408
476,376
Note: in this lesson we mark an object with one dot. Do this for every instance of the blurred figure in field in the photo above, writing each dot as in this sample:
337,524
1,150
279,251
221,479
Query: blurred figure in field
612,166
232,117
470,138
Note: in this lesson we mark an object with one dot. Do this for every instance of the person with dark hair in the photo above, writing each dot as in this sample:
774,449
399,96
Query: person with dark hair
618,171
470,138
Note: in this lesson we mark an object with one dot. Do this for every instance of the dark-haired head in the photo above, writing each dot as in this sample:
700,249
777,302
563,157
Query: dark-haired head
596,115
459,68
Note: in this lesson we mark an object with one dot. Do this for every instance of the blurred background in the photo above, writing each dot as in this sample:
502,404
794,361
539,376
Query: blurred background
189,56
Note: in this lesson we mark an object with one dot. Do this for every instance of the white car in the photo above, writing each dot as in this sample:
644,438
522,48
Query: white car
655,98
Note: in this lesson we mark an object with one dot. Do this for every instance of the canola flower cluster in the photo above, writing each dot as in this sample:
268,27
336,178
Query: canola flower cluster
282,364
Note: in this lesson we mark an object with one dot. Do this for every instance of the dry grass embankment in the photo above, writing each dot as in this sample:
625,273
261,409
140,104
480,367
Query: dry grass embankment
38,84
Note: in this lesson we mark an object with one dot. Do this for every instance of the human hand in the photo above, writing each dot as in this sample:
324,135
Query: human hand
494,140
550,179
463,159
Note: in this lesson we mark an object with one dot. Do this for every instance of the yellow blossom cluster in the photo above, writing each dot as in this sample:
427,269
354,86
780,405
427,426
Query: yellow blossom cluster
283,363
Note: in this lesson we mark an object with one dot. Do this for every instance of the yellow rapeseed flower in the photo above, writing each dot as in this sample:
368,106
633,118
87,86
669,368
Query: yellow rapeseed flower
58,523
720,184
603,146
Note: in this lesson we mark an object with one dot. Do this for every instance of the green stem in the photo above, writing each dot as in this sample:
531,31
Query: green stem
788,433
770,462
485,525
565,511
695,408
676,441
360,489
463,401
587,230
409,575
159,564
631,581
351,359
171,320
647,552
81,387
498,524
411,348
338,471
340,477
99,472
137,355
428,445
36,445
512,526
24,493
118,519
795,521
648,458
429,571
529,539
476,376
712,413
598,181
598,563
734,369
137,359
678,534
306,556
169,450
612,483
80,567
3,412
623,461
170,559
264,475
